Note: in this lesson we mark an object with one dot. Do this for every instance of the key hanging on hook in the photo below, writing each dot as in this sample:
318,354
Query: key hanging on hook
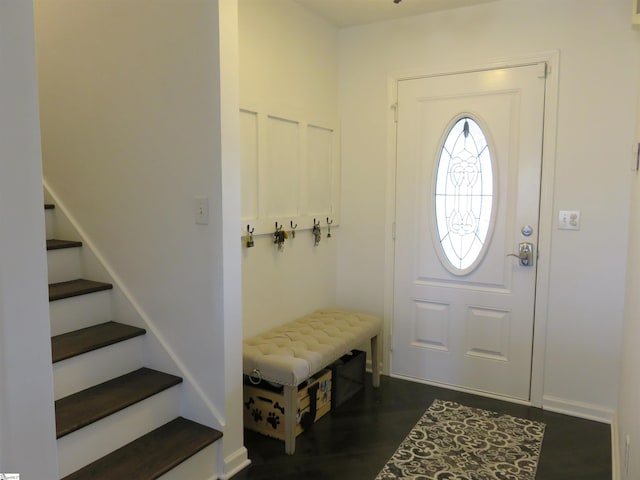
293,229
317,233
250,237
279,236
329,227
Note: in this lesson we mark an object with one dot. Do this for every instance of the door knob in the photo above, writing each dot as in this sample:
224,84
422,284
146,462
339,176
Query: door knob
525,254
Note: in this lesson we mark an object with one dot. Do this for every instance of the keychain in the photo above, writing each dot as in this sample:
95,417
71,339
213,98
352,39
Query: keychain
317,233
250,237
279,236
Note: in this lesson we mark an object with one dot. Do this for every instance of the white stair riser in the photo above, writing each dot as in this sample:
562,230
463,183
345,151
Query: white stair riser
104,436
64,264
49,224
79,312
202,466
77,373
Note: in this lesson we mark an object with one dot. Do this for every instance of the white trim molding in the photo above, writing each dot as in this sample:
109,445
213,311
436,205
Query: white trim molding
588,411
615,449
234,463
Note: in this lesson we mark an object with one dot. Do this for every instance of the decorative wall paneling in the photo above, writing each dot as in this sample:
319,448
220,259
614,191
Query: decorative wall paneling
290,171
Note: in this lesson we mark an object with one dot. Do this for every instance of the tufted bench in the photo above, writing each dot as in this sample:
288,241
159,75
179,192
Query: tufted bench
290,354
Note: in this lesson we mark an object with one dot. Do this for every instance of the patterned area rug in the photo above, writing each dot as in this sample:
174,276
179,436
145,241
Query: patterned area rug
454,442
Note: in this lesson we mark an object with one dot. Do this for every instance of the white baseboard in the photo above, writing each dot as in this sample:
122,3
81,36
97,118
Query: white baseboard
615,449
584,410
234,463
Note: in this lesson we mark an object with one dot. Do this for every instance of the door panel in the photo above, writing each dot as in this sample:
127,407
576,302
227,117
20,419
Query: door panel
471,329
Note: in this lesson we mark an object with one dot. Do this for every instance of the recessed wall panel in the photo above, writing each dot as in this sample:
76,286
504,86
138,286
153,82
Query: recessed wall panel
431,325
249,164
319,170
282,168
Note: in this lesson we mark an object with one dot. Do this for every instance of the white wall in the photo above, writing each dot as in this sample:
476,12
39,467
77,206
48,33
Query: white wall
27,425
596,118
288,63
131,99
628,421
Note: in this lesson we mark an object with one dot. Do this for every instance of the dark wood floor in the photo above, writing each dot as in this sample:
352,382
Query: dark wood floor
355,441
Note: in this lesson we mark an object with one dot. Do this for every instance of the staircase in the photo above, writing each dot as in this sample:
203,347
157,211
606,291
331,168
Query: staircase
115,417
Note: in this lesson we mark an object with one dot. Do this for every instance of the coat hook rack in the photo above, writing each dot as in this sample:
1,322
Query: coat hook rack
329,227
279,236
250,236
293,229
317,233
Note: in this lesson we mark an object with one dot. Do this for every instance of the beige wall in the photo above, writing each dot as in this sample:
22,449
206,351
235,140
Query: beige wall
132,98
288,62
598,87
585,283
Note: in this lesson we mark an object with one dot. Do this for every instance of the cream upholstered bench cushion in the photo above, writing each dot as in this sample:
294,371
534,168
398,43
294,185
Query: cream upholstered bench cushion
291,353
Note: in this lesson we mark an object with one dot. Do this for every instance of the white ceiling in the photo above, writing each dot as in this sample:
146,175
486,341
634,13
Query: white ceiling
347,13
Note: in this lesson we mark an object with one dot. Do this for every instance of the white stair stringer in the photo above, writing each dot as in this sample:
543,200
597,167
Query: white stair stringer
94,441
74,313
83,371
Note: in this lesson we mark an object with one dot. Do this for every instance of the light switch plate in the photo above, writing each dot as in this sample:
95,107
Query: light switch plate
569,220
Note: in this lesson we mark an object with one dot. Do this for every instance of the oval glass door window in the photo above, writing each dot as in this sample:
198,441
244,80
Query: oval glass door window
464,195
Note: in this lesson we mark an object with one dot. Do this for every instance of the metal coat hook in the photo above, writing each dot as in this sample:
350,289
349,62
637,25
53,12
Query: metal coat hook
250,236
329,227
279,236
317,233
293,229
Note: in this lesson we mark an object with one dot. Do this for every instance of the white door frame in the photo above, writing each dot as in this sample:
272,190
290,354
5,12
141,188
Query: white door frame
546,207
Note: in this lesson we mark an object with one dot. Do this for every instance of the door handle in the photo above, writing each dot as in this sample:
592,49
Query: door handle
525,254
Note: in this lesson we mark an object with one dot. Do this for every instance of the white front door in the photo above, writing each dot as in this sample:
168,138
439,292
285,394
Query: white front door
469,154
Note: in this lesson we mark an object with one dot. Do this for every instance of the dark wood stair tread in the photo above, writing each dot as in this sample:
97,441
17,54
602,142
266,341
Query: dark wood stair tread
92,338
153,454
72,288
55,244
90,405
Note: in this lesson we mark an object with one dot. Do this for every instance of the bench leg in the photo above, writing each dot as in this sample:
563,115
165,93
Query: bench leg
375,361
290,411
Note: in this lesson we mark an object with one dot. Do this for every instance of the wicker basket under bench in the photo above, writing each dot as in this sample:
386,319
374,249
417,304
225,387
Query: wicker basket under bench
292,353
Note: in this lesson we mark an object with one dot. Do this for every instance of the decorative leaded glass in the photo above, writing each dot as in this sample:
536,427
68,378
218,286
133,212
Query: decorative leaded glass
464,195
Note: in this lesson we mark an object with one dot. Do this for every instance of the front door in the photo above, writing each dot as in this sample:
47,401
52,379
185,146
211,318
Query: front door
469,154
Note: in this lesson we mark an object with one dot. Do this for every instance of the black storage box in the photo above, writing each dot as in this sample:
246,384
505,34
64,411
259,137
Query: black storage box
347,377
